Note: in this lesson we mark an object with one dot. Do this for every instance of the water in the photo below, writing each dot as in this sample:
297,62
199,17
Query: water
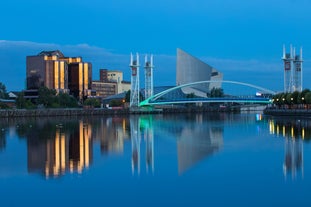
156,160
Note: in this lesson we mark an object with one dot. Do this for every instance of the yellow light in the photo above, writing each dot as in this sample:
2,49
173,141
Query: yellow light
56,75
62,75
63,153
80,79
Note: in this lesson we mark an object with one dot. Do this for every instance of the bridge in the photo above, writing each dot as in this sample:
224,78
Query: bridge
163,98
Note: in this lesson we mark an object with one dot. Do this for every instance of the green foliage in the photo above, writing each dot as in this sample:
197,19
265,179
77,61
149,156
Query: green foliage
3,93
22,103
46,96
308,98
216,93
128,96
190,95
94,102
114,103
64,100
296,97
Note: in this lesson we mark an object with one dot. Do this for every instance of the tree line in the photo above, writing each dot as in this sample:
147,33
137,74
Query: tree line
294,98
47,98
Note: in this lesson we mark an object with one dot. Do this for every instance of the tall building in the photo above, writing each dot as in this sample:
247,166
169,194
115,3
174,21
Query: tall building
292,70
47,69
190,69
55,71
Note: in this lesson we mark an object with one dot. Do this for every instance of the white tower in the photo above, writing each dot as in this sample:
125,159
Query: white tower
134,65
297,71
148,77
287,59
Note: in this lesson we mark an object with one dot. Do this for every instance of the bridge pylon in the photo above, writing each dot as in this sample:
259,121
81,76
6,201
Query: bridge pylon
134,65
148,76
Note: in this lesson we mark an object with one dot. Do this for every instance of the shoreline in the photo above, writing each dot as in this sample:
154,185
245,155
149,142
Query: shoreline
288,112
76,112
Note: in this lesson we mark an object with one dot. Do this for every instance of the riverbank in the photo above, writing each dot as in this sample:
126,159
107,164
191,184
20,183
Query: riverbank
7,113
287,112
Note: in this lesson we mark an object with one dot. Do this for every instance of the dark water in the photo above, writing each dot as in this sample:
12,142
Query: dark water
156,160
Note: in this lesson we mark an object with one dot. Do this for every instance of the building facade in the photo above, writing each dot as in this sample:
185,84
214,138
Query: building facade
190,69
55,71
111,83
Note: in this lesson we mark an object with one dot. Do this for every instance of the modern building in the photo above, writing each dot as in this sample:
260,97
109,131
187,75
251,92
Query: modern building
190,69
55,71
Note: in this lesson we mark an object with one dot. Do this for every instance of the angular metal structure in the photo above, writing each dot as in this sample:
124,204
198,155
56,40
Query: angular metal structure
190,69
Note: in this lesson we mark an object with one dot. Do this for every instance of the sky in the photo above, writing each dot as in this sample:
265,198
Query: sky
243,39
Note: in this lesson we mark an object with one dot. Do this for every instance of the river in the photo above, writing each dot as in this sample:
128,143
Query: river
217,159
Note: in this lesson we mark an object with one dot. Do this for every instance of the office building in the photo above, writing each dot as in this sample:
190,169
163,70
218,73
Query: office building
55,71
111,83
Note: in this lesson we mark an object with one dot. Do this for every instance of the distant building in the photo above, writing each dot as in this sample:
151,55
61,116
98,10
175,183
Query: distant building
55,71
190,69
111,83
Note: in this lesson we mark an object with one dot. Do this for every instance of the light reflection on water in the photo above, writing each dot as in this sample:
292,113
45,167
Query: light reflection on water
192,148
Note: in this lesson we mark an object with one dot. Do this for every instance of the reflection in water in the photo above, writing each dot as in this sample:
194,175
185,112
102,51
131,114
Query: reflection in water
295,133
197,142
142,126
57,146
64,151
198,136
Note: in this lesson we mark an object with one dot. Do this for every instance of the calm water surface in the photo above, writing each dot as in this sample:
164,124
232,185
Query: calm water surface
156,160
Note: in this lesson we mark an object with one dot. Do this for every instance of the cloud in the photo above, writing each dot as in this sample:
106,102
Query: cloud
13,64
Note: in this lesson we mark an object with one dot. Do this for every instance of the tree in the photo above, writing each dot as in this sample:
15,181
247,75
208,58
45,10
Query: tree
308,97
190,95
46,96
216,92
66,101
94,102
3,93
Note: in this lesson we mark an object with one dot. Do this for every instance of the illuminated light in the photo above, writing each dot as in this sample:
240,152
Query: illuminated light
80,79
56,75
81,143
86,76
271,127
71,168
292,132
303,133
277,129
57,154
284,131
87,152
62,75
63,153
258,117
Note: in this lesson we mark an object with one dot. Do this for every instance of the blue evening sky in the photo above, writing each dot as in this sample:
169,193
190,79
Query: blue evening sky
241,38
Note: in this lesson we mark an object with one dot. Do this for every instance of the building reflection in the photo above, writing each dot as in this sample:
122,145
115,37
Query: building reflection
294,132
197,136
142,129
197,142
67,150
112,132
